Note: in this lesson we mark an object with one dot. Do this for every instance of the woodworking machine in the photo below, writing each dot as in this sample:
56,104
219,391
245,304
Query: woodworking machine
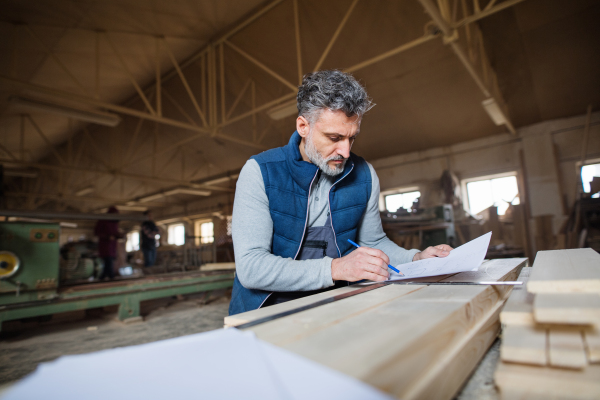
36,280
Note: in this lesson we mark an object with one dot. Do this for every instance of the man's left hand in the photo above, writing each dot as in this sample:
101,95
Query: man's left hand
441,250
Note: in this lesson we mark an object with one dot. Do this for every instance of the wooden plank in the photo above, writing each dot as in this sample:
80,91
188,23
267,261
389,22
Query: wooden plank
217,266
517,381
413,344
242,318
518,309
565,271
592,344
565,348
524,345
567,308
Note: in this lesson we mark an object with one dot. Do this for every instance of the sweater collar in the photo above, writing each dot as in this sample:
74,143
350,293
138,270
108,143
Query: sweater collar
302,171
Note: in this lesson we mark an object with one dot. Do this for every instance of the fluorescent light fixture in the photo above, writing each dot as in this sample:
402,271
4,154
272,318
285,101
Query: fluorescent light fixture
96,117
84,191
21,173
494,111
220,180
195,192
284,110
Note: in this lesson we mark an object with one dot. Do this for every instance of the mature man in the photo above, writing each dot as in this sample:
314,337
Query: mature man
296,206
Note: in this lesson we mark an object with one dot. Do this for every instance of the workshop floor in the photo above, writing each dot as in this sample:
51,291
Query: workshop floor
24,346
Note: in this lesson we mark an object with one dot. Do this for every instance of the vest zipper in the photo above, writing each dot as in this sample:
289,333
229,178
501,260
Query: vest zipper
307,208
329,206
304,231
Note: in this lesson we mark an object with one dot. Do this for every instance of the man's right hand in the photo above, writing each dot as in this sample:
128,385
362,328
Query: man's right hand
362,263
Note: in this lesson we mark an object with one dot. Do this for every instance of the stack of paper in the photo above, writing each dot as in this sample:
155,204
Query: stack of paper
467,257
223,364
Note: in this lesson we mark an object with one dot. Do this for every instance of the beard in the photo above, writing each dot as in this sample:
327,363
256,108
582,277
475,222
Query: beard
316,158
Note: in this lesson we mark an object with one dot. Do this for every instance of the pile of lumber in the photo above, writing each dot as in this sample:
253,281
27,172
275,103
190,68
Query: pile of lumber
551,329
412,341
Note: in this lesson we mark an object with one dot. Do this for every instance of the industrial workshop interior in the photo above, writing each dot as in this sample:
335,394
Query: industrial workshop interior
300,199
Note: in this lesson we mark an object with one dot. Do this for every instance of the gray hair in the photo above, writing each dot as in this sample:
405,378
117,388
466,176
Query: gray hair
333,90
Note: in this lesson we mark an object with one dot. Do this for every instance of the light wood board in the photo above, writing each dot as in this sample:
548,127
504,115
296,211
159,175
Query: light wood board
518,381
519,306
565,271
217,266
592,344
524,344
566,349
411,341
567,308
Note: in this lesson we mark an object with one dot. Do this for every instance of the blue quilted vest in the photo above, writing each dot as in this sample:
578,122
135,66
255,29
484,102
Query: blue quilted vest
287,180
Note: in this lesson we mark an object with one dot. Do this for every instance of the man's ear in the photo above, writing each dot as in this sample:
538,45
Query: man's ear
302,126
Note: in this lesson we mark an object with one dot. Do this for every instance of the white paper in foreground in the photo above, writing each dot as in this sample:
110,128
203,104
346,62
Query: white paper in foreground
222,364
467,257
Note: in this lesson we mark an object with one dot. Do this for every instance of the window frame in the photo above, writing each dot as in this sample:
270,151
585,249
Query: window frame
505,174
171,227
198,231
398,190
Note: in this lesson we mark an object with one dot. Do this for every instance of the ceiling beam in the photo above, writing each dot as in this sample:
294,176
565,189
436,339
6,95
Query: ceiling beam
143,178
123,110
451,39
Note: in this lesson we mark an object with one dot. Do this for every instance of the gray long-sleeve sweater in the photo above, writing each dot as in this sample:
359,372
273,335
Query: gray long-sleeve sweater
258,268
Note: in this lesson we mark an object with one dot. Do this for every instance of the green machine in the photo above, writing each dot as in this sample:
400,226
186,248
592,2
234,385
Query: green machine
29,262
36,280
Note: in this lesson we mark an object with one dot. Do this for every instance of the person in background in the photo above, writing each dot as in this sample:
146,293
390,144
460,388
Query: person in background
108,232
148,237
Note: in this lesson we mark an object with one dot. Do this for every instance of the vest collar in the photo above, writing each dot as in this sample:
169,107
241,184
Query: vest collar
302,171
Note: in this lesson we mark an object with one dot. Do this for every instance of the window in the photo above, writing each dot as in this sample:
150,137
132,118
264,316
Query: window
207,232
176,234
588,172
229,222
497,190
133,241
395,201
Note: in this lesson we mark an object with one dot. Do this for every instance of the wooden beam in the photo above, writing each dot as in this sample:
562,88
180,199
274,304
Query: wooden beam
179,108
55,58
335,35
187,87
238,98
130,75
45,138
135,113
262,66
158,82
486,13
390,53
298,46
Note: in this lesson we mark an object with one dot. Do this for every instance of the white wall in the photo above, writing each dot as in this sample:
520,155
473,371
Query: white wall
550,175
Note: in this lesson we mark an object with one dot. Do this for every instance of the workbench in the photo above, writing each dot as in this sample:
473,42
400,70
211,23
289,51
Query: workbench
412,341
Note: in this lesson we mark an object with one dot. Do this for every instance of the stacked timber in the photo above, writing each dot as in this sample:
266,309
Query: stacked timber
412,341
551,329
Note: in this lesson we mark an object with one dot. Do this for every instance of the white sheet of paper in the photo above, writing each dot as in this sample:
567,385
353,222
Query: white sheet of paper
467,257
221,364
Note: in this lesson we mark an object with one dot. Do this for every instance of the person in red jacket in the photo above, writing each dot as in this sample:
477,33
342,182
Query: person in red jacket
108,232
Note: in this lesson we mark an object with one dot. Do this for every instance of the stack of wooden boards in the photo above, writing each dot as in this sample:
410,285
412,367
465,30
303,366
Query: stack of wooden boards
551,338
412,341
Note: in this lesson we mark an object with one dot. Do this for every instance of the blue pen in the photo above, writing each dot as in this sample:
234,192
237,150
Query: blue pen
389,266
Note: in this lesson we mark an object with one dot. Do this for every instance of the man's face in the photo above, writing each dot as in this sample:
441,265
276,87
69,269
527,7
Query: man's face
327,142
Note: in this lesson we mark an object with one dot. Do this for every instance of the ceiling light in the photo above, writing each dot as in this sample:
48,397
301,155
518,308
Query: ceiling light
284,110
21,173
494,111
84,191
96,117
195,192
